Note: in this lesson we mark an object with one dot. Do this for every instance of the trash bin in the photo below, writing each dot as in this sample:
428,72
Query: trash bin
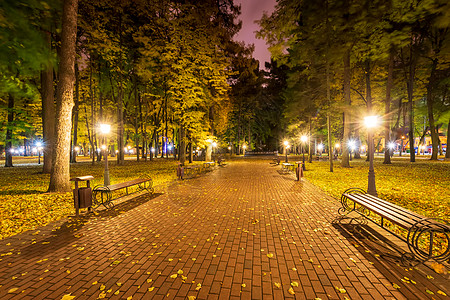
82,197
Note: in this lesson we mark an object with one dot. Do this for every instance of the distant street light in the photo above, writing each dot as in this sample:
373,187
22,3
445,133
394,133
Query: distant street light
352,146
105,129
244,147
39,149
371,122
304,139
286,144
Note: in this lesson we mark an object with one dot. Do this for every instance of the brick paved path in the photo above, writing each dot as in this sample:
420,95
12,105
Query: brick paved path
243,231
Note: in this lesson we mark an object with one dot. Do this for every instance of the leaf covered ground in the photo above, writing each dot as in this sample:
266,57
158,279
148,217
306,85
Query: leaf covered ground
25,205
423,186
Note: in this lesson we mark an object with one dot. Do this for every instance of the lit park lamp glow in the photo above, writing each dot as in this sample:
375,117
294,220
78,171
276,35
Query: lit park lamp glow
303,139
39,149
371,122
286,146
391,147
244,147
105,129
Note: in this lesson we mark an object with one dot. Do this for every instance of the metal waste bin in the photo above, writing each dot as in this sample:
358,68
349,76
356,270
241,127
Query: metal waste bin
82,197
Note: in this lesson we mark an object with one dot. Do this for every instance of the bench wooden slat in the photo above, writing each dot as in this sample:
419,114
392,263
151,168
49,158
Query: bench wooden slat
392,207
388,213
118,186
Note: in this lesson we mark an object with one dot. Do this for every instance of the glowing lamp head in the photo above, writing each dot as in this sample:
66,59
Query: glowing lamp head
214,144
304,138
169,147
153,150
337,145
77,148
229,147
103,147
245,147
320,147
352,144
371,121
105,128
286,143
38,144
391,145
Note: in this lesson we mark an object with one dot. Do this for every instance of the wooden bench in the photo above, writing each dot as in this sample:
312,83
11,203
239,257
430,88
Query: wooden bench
208,165
287,167
191,171
221,161
276,160
102,195
423,234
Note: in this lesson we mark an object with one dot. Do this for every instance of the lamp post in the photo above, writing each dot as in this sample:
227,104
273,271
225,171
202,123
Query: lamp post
371,122
286,144
352,146
244,147
336,149
39,149
304,139
105,129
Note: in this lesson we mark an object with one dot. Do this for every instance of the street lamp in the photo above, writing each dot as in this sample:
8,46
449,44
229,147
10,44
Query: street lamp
391,146
304,139
286,144
105,129
371,122
336,149
244,147
352,146
320,148
39,149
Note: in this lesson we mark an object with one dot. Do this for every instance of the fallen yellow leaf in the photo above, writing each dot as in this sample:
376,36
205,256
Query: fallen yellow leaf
277,284
173,276
269,255
294,284
67,297
12,290
151,288
291,291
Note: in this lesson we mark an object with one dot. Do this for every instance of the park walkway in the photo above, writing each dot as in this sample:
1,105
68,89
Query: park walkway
243,231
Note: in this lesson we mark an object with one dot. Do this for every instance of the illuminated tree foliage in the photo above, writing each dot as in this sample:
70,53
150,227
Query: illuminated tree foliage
377,57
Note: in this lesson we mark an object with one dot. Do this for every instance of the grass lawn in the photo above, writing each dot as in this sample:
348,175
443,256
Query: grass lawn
423,187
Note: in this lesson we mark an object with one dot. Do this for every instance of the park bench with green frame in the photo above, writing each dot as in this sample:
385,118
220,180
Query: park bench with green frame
422,233
102,195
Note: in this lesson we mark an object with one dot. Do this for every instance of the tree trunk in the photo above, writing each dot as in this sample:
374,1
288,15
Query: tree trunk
410,87
447,152
60,173
8,148
310,141
387,106
330,142
48,112
430,103
75,116
182,144
120,129
347,102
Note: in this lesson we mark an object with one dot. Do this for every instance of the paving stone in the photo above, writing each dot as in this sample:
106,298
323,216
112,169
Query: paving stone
220,230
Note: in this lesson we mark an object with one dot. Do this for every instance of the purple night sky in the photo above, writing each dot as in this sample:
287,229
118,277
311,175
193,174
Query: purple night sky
252,10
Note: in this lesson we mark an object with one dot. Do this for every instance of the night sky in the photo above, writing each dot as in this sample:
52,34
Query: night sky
252,10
